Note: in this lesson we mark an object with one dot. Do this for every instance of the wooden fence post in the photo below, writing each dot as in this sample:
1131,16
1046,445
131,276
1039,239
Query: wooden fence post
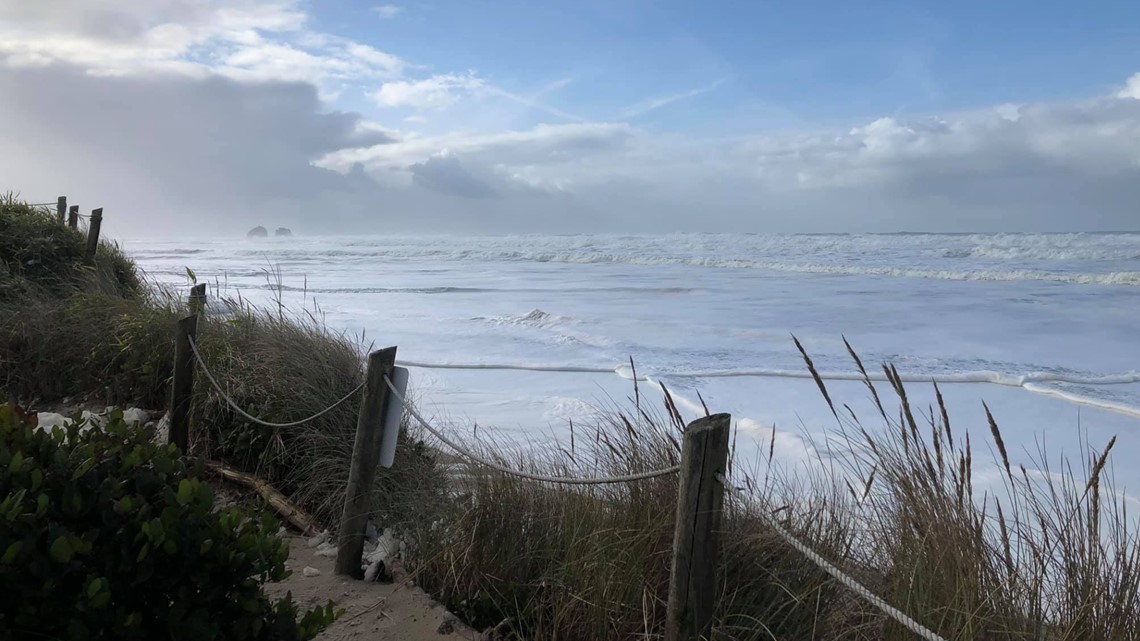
73,217
696,539
182,388
93,232
197,300
61,207
365,455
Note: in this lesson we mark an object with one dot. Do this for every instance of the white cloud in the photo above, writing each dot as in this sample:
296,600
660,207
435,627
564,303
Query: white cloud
1098,137
1131,88
387,11
1030,166
288,62
541,145
436,92
256,40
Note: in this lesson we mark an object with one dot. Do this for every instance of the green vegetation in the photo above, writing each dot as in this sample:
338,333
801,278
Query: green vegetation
593,562
281,370
103,533
1044,556
40,256
111,349
70,328
66,334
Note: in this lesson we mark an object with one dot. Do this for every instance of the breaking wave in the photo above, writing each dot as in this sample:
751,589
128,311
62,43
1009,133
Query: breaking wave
1080,259
1125,278
533,318
1035,382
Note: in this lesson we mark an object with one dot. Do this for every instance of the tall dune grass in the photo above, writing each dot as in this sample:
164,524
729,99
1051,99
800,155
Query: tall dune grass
283,367
1047,555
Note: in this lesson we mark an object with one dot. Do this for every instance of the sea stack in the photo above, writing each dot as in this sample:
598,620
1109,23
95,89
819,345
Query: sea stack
257,232
283,231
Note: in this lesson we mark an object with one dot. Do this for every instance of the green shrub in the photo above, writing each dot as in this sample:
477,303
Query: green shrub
105,534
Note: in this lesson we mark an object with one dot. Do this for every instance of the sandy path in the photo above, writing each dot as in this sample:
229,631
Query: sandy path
372,610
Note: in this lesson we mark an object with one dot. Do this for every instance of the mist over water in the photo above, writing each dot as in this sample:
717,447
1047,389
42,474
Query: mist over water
533,329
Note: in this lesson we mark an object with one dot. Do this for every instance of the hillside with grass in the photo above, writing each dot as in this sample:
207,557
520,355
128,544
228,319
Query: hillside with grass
98,334
1051,557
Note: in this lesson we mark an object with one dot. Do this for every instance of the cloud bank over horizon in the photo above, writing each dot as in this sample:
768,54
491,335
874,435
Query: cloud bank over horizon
201,117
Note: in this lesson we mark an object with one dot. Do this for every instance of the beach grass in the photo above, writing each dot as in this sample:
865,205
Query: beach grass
1046,554
100,333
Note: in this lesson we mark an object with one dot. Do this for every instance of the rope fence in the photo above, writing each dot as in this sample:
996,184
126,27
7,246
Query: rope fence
235,407
70,217
456,447
836,573
704,455
57,203
475,458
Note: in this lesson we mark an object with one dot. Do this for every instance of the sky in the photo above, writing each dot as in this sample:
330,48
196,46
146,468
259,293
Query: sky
205,117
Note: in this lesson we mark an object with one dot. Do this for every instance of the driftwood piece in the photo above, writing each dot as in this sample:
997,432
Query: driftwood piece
293,514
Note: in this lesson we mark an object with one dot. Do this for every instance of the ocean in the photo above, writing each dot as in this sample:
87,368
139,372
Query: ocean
521,334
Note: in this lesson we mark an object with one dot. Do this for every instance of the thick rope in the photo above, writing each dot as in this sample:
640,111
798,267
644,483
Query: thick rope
566,480
234,406
855,586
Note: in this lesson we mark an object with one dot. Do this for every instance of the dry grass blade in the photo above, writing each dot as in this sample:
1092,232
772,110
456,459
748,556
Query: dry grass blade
704,405
674,414
866,379
636,388
816,377
945,414
998,441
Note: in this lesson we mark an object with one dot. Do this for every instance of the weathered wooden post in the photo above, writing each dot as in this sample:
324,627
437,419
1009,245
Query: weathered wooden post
365,454
182,388
73,217
696,539
61,207
93,232
197,300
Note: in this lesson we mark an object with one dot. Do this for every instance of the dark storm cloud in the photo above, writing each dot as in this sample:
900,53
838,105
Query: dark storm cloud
172,149
447,175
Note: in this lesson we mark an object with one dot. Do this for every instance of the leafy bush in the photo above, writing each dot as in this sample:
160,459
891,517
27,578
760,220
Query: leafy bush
105,534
